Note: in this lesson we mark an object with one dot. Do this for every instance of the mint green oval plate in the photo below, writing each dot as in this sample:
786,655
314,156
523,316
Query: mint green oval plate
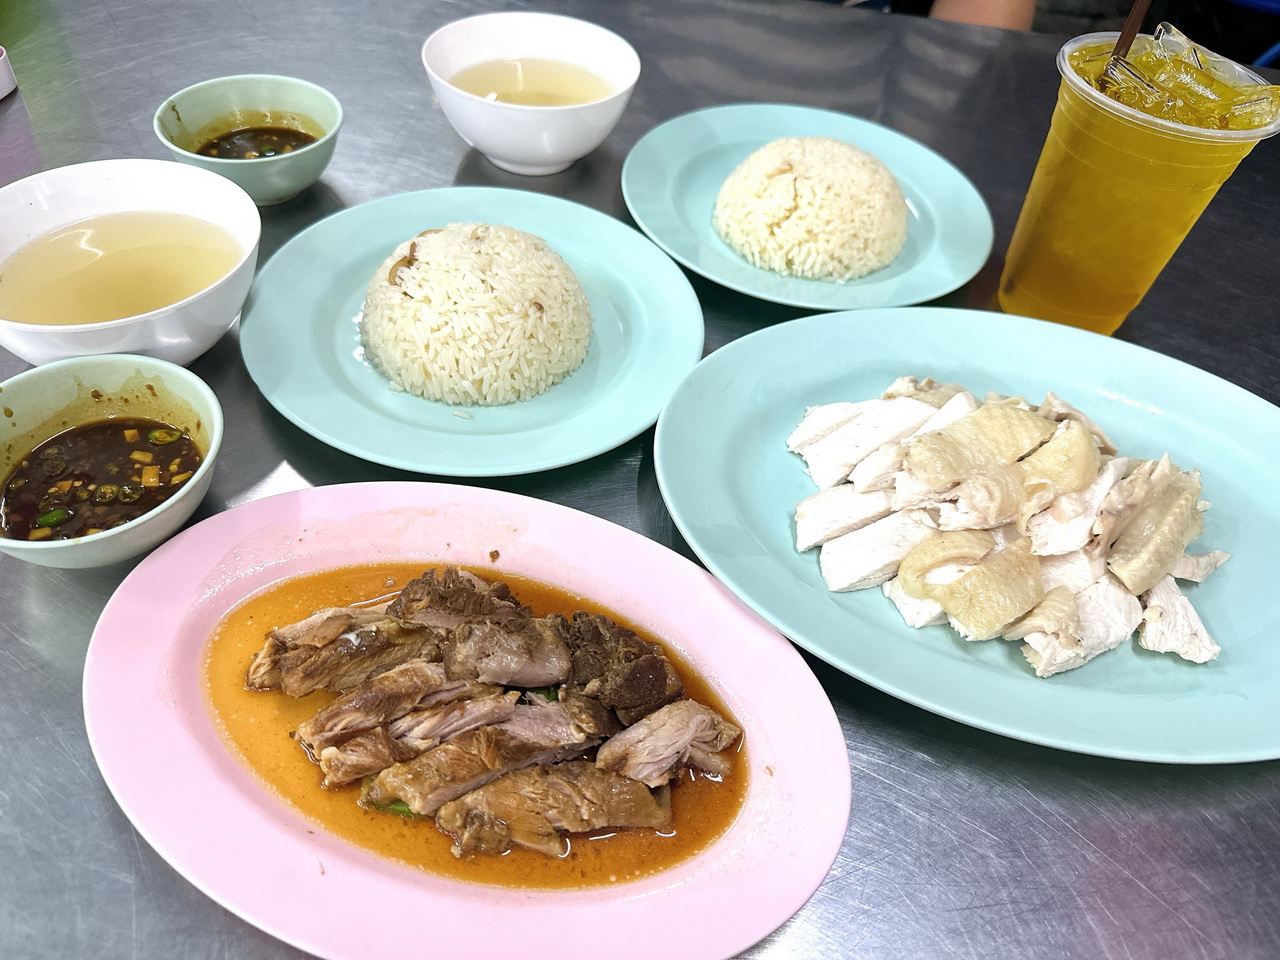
301,343
731,485
672,175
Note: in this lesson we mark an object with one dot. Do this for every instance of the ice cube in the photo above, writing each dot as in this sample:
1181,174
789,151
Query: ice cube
1124,81
1089,62
1170,77
1170,43
1191,84
1256,107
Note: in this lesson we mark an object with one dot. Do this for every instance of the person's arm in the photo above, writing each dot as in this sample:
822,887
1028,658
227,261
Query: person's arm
1010,14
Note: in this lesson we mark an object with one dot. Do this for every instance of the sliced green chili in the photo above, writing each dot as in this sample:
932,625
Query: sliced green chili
106,492
163,435
53,518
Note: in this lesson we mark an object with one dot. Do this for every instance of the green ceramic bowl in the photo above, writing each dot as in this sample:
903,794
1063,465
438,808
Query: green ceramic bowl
43,402
194,116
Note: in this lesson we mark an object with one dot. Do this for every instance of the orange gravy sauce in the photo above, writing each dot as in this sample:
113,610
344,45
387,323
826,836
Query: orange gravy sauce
259,726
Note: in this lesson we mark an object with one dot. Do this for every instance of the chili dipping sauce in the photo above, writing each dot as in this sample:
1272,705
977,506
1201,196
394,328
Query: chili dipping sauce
252,143
94,477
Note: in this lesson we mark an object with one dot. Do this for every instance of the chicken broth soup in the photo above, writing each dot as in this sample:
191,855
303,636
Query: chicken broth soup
532,82
437,660
114,266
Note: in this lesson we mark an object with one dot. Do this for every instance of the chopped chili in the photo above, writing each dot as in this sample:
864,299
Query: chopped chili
70,485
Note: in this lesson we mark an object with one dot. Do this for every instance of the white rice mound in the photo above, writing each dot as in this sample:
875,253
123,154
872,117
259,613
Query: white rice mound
473,313
813,207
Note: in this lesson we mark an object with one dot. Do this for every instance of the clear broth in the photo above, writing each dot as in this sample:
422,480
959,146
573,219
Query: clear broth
533,82
114,266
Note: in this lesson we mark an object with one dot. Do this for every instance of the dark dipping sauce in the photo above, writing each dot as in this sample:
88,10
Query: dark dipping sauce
251,143
94,477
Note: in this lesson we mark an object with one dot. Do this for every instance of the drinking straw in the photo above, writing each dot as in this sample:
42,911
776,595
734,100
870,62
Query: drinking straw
1137,13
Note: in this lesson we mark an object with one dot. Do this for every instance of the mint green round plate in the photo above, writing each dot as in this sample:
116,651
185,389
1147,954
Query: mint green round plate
672,175
301,343
731,485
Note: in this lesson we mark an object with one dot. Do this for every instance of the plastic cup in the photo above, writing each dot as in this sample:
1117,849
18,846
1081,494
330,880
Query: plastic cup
1113,195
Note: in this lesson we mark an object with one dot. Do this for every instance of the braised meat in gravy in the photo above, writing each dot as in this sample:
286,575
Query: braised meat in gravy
513,731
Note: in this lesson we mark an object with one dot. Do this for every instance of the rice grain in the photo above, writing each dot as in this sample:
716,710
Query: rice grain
474,313
813,207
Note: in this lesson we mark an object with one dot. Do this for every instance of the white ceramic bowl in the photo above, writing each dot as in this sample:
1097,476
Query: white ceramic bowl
43,402
193,116
180,332
525,139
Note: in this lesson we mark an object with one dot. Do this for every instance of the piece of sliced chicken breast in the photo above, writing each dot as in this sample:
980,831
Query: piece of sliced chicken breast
1171,625
917,612
829,460
1067,630
1050,632
1158,534
836,511
1075,570
870,556
878,469
1067,523
1198,567
1108,613
992,499
823,419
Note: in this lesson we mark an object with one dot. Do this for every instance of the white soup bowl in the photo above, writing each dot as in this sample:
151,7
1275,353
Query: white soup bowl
530,140
58,198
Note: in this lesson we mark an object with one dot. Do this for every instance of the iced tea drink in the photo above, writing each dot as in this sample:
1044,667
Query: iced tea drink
1123,176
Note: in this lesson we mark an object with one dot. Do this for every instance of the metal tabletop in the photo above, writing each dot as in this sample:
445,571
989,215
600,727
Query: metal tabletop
962,844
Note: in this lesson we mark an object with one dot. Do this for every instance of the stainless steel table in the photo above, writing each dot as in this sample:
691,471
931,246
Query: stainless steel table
962,844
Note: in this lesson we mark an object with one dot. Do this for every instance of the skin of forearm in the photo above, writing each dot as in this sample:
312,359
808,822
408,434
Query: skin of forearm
1010,14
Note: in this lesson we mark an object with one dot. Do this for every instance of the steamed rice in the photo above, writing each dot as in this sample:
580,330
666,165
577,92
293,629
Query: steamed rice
475,314
813,207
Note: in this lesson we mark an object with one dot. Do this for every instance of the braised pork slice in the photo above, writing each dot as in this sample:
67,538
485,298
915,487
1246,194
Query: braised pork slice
374,750
529,652
337,648
587,712
540,731
367,752
380,699
656,748
423,729
625,673
531,807
452,597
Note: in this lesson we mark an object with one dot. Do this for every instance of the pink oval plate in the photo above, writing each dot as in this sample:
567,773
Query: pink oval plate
165,761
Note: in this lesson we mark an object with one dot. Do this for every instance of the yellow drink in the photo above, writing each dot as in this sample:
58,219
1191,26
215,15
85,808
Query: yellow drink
1113,194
